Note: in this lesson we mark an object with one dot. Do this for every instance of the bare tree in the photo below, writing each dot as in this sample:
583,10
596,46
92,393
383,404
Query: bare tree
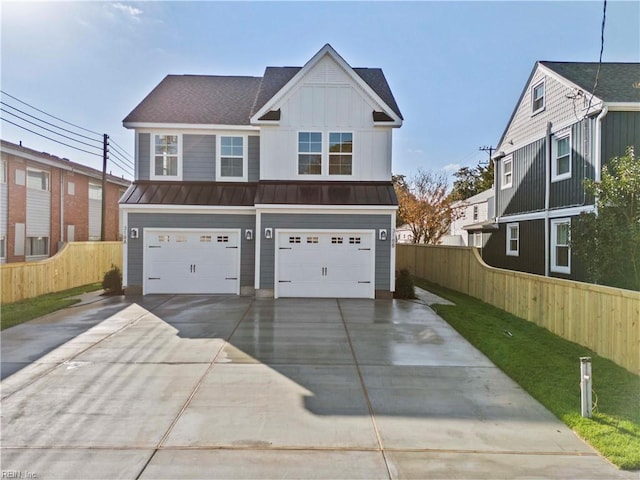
425,205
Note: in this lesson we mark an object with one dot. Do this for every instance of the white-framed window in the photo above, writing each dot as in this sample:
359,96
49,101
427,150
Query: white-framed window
71,188
95,191
513,239
3,171
309,153
166,163
561,154
507,172
37,246
560,248
475,213
3,247
340,153
37,179
537,97
232,158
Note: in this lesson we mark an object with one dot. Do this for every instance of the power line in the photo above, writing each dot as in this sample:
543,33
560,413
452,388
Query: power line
49,138
126,162
49,123
120,149
595,84
117,153
119,165
52,116
48,129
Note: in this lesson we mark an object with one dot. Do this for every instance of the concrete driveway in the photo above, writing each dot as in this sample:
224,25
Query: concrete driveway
232,387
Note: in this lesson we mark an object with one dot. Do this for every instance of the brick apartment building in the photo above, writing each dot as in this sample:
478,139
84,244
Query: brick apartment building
46,201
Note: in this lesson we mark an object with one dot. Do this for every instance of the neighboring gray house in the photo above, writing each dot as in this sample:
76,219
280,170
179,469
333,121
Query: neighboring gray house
277,185
559,135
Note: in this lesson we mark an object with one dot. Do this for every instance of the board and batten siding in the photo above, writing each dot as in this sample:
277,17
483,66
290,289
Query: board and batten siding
528,182
619,131
143,159
326,100
177,220
38,213
531,248
198,157
253,158
326,222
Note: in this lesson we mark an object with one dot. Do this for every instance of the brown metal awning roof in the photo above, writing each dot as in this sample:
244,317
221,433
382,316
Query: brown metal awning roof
326,193
190,193
262,193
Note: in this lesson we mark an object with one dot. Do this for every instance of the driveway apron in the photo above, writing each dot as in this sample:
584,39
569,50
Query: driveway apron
234,387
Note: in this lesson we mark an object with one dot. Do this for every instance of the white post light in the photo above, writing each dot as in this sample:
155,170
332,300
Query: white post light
586,382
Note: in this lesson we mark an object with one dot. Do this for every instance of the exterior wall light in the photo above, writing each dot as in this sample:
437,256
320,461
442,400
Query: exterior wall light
135,233
268,233
248,234
382,235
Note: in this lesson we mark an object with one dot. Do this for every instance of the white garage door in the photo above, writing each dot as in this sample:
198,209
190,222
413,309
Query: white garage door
191,261
331,264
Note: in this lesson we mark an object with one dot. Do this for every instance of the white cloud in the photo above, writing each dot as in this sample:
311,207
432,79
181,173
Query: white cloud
451,167
133,12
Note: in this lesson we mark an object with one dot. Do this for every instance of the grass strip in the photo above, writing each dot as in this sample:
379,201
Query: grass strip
16,313
548,368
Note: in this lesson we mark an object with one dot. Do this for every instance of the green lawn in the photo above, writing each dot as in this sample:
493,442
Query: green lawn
548,367
15,313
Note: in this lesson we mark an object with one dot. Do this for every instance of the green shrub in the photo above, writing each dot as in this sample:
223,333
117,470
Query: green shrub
404,285
112,281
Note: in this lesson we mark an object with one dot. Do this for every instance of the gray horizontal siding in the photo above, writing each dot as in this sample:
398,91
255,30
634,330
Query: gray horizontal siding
143,159
199,157
329,222
177,220
253,152
619,131
38,213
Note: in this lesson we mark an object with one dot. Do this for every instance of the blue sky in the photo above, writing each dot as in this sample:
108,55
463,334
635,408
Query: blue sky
456,68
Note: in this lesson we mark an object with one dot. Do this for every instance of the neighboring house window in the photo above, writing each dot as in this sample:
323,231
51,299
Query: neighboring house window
513,239
232,158
476,239
475,213
3,247
340,153
561,167
95,192
537,97
38,179
560,249
507,172
37,246
309,153
166,163
71,188
3,172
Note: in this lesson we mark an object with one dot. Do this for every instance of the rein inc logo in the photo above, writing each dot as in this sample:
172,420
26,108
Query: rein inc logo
18,474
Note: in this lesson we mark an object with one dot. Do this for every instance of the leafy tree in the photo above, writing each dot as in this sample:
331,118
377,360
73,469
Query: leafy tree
425,205
609,242
471,181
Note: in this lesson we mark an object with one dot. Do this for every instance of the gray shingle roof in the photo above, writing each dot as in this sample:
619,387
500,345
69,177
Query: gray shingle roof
615,82
229,100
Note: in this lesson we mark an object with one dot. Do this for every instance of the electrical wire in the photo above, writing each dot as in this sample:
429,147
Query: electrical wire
49,123
120,149
119,165
126,162
48,114
49,138
595,84
49,130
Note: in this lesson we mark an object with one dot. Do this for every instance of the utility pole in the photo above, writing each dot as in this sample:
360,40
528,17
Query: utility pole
489,149
105,155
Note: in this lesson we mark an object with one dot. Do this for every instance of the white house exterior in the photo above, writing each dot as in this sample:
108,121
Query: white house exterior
277,185
475,211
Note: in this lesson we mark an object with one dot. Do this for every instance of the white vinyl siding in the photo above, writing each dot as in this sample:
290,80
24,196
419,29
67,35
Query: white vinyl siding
37,179
95,211
513,239
561,154
507,173
3,172
166,157
560,248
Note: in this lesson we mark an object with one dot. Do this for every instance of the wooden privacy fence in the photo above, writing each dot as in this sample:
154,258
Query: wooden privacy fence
603,319
78,263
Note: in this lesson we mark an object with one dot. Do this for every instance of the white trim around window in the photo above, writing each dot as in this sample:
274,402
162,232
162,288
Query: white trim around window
561,154
232,148
538,94
310,146
560,245
513,239
38,179
170,152
506,174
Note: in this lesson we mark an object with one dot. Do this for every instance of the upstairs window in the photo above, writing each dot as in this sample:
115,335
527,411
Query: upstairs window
309,153
537,98
513,239
232,157
507,172
475,213
561,166
166,164
340,153
37,179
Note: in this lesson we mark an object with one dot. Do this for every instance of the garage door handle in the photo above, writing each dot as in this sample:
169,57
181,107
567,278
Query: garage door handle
364,249
155,246
363,281
231,247
285,248
284,281
231,278
153,278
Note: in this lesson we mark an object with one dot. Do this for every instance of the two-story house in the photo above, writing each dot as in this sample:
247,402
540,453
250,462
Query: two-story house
476,214
561,132
277,185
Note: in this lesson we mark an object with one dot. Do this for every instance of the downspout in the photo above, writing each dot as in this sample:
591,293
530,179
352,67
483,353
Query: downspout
598,153
547,194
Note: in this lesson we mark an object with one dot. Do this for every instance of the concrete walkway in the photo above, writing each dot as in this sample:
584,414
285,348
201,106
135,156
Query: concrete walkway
232,387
